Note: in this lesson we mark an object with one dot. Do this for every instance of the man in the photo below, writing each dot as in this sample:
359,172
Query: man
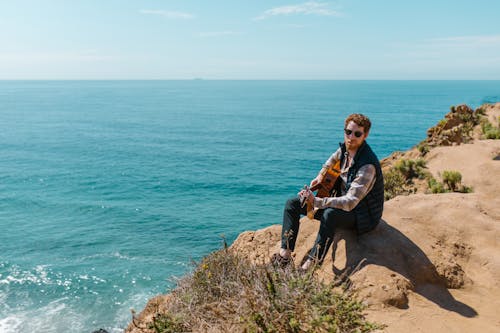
357,204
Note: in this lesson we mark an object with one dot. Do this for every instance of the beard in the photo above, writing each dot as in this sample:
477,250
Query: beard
353,145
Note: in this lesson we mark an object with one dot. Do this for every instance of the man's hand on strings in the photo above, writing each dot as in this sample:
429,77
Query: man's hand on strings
308,194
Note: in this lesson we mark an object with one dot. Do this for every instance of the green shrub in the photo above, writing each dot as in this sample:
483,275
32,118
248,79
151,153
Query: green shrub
451,183
411,168
485,124
452,108
480,111
167,323
465,189
394,184
442,122
423,148
226,293
490,131
467,129
452,179
493,133
399,178
466,117
435,186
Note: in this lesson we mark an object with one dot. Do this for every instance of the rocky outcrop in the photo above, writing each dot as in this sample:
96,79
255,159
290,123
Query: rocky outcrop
382,266
433,256
456,127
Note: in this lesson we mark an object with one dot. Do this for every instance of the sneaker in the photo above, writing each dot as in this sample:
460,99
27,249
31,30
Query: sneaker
278,261
314,264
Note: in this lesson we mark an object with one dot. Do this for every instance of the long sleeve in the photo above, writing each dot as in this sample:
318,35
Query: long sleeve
360,186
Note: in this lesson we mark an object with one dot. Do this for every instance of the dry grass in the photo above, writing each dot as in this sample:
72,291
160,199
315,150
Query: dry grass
226,293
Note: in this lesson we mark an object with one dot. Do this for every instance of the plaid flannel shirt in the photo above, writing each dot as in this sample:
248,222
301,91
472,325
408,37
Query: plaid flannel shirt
360,186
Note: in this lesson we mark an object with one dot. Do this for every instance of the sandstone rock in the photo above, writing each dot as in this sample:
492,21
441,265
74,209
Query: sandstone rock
456,128
378,285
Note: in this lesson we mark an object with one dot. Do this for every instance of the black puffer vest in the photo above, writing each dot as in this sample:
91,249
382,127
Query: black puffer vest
369,210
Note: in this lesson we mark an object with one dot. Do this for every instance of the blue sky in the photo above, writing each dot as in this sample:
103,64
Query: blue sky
289,39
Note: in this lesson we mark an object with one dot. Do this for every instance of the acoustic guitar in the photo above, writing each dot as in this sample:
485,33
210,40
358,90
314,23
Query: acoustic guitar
324,187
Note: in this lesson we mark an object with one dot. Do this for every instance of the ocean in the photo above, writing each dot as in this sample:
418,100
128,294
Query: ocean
110,190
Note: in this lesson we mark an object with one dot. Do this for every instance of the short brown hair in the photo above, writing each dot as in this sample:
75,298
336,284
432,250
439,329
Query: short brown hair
360,119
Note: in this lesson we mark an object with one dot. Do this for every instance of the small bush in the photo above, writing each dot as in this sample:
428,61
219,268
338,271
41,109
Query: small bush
451,183
466,130
493,133
466,117
452,179
411,168
465,189
423,148
490,131
442,123
485,124
398,180
226,293
167,323
394,183
480,111
435,186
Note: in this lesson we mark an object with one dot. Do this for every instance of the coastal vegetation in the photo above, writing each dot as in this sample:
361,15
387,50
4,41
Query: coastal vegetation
451,182
403,176
489,130
411,169
226,293
457,127
423,148
406,176
400,178
394,184
452,179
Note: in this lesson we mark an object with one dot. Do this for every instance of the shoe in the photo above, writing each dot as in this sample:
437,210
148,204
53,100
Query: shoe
303,261
314,264
278,261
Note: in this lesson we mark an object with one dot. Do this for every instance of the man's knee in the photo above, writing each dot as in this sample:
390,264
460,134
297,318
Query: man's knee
328,215
337,218
292,204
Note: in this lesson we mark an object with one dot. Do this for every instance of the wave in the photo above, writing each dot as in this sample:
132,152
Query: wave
11,324
43,299
51,318
15,275
67,315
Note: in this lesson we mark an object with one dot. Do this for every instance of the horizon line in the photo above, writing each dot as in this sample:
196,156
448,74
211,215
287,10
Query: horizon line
243,79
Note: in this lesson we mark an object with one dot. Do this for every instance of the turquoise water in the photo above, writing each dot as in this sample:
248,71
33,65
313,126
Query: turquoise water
108,189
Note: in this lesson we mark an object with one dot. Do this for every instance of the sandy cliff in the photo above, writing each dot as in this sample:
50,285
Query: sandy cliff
433,264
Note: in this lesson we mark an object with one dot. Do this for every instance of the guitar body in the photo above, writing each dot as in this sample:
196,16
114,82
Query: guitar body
325,187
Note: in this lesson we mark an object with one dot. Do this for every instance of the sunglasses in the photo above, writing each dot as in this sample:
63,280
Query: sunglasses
357,134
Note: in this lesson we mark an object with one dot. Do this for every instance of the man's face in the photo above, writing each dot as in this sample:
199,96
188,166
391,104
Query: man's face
354,135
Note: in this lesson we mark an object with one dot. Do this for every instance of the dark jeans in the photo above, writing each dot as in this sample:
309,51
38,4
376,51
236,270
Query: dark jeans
330,220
